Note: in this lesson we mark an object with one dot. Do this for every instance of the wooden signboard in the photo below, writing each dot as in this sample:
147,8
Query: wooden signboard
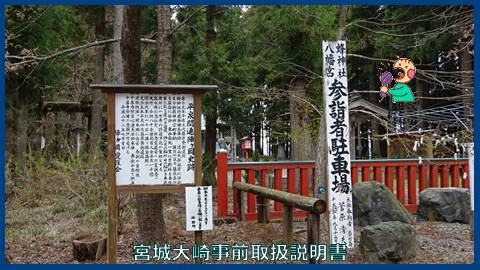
154,143
335,93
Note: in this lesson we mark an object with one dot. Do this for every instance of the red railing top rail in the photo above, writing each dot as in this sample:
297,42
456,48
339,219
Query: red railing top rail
287,164
307,164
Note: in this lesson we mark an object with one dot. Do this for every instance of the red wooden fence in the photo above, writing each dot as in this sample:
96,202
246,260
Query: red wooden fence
404,177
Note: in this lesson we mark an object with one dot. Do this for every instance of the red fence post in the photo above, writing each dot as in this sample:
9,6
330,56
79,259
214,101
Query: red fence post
354,174
412,185
400,185
465,183
422,174
263,178
304,182
365,174
434,175
455,181
389,177
237,177
444,176
377,174
278,185
222,184
291,181
251,199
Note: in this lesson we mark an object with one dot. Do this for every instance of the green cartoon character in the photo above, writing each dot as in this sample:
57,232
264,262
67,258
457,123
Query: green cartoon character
403,72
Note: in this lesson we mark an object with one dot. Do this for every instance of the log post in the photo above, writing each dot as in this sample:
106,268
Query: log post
267,210
262,209
313,231
197,111
198,239
239,204
111,184
288,224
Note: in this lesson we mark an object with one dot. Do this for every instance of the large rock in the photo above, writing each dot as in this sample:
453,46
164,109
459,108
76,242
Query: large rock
391,241
374,203
444,204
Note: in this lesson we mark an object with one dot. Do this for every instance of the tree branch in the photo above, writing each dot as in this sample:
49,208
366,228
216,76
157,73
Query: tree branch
29,59
178,26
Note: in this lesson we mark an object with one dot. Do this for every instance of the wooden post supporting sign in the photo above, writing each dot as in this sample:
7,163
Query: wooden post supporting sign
111,192
198,156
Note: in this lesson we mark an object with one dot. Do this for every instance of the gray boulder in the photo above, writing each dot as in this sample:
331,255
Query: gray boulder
444,204
374,203
388,242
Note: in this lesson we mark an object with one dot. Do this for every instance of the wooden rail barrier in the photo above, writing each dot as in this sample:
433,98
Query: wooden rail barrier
313,206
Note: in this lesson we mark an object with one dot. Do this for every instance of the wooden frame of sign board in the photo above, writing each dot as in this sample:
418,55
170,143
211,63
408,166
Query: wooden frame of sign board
110,90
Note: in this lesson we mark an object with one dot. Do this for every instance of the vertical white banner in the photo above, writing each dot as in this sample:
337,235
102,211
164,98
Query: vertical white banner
199,210
335,93
471,174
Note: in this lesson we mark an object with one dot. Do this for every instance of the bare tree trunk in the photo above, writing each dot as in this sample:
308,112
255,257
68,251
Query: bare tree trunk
164,44
419,102
130,45
301,139
466,64
372,83
21,132
257,129
98,98
343,22
233,144
149,207
117,77
117,54
211,118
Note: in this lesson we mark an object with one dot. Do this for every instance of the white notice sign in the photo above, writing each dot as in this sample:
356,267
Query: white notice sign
154,139
337,126
199,209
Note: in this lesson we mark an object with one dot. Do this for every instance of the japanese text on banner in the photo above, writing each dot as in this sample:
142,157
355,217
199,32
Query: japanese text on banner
337,129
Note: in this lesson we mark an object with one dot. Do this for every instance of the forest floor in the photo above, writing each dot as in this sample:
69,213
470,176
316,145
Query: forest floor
43,233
